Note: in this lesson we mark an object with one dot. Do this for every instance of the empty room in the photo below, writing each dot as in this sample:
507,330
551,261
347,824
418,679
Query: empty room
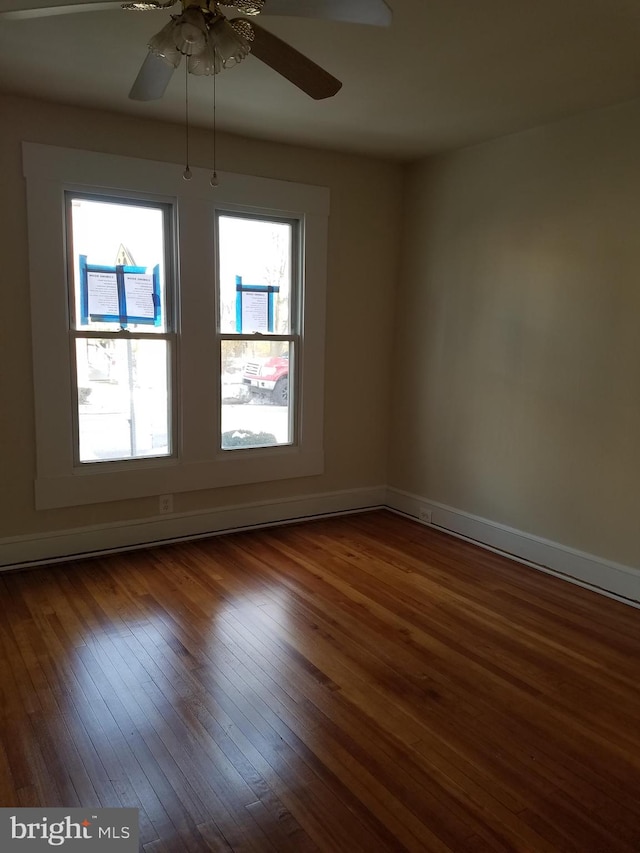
320,415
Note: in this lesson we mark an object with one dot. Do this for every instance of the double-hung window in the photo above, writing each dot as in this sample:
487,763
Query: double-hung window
258,328
178,330
122,329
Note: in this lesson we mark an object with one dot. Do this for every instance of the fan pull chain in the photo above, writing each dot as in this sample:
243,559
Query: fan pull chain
214,175
187,172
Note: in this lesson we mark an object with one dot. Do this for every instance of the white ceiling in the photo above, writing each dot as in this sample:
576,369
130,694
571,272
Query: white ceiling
447,73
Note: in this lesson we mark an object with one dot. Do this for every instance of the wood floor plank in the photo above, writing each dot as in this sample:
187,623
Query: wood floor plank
350,684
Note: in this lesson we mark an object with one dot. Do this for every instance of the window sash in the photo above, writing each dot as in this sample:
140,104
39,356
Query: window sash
77,332
294,385
296,265
171,341
169,234
292,337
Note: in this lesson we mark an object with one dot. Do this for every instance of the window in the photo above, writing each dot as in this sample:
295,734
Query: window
258,326
121,327
178,330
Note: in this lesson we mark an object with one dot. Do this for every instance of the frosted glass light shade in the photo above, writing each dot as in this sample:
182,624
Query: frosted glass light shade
162,44
190,32
208,61
229,44
184,35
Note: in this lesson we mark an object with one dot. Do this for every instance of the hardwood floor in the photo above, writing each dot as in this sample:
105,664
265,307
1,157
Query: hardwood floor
352,684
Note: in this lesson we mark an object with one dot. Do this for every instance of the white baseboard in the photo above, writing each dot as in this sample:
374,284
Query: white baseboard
24,551
611,579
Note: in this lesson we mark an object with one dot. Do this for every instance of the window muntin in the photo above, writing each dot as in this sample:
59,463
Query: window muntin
258,329
121,328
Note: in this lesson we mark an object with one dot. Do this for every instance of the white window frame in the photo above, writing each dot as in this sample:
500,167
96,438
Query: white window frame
199,462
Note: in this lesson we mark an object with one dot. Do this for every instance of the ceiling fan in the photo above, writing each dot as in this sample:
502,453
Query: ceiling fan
210,40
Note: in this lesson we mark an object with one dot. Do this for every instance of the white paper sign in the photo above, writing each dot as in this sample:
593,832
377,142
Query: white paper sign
138,291
102,294
255,311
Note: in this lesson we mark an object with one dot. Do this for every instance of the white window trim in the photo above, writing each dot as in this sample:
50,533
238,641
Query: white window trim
199,463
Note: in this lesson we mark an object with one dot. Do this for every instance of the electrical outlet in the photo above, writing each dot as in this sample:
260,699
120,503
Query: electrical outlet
165,503
424,515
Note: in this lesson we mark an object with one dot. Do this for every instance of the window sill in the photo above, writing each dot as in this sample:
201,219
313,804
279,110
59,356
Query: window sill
227,470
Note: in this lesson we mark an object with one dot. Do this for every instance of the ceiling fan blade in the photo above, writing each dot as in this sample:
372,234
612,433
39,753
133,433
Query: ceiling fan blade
152,80
292,64
373,12
46,11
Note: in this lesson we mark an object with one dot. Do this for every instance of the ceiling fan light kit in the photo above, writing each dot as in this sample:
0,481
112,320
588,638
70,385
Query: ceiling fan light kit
207,38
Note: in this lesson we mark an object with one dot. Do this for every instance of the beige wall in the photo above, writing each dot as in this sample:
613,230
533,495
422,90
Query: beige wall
516,372
363,245
517,362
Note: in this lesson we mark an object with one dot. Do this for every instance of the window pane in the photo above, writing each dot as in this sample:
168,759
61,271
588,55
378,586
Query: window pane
255,393
122,398
118,266
254,253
